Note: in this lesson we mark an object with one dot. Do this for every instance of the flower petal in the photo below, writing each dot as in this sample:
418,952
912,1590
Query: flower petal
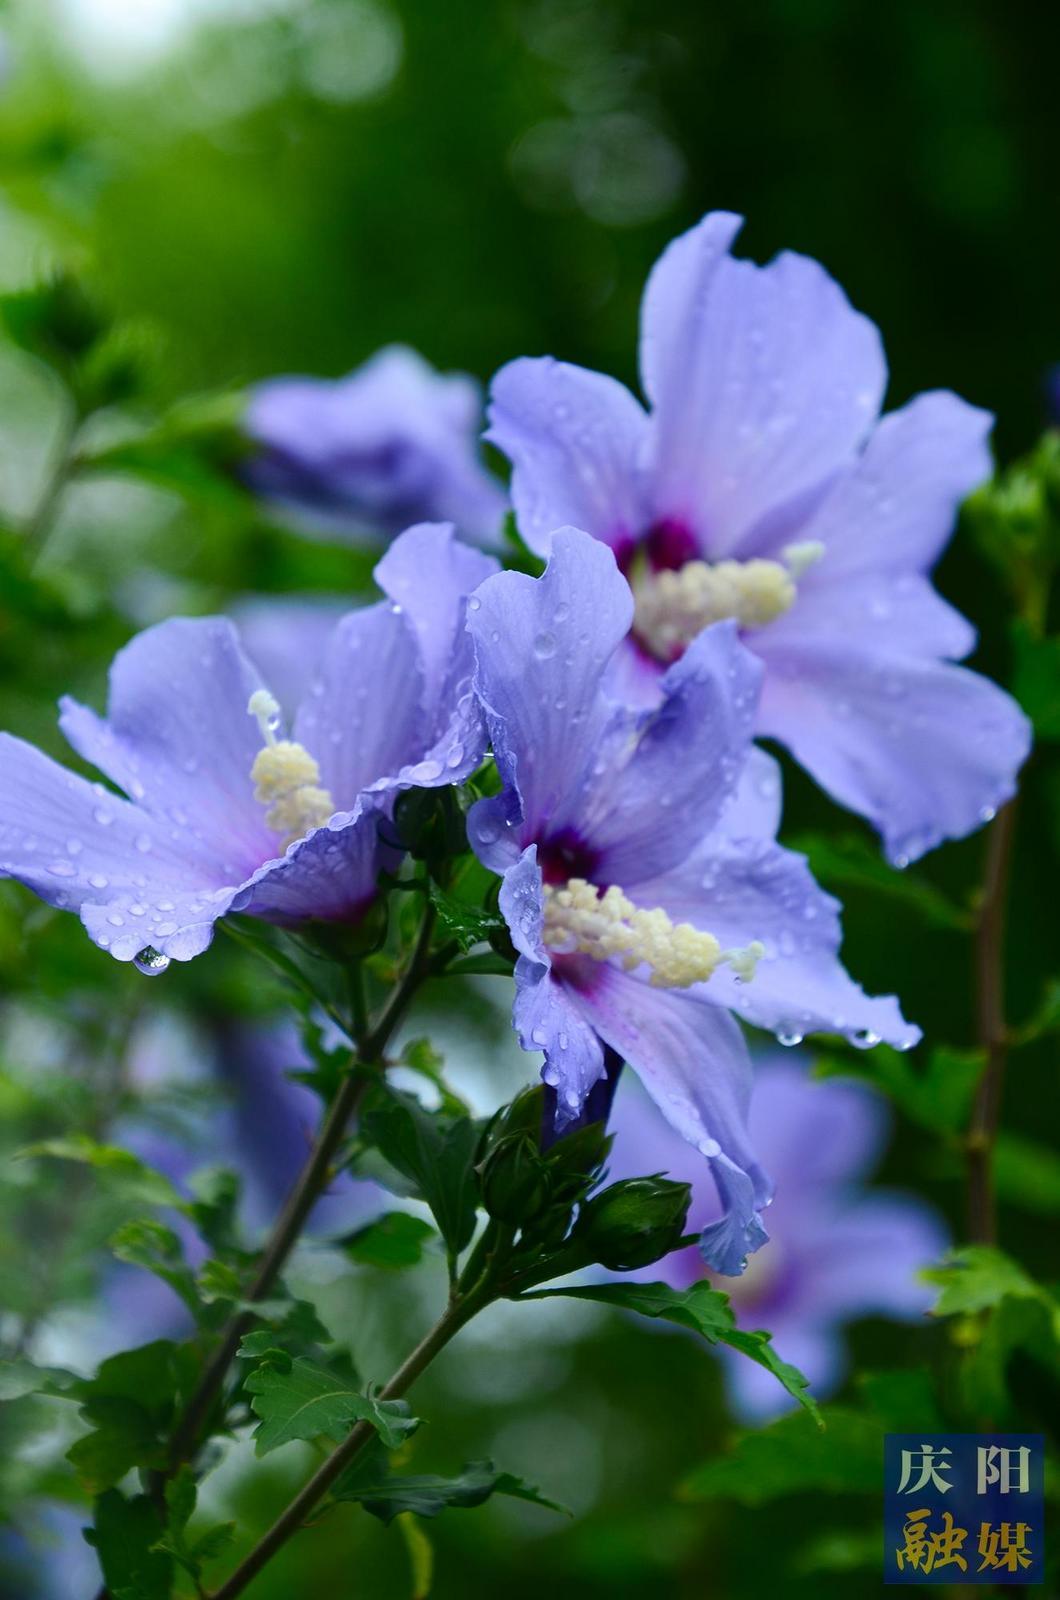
764,382
692,1059
329,876
574,439
285,639
897,613
179,740
753,889
544,1016
364,717
541,648
866,1259
895,510
667,774
925,750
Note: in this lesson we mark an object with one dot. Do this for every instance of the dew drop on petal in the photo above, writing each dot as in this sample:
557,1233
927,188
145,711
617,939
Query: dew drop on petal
789,1040
143,843
545,646
474,603
103,817
98,881
63,869
864,1039
150,962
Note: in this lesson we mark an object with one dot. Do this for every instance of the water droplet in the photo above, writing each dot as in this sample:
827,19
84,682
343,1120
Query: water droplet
455,756
74,847
150,962
63,869
545,646
987,814
143,843
103,817
539,1036
864,1039
789,1039
562,611
474,603
98,881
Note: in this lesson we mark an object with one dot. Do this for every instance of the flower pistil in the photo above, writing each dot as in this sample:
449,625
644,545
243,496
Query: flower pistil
675,604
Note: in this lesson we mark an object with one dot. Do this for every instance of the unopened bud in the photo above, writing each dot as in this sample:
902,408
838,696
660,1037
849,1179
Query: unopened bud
633,1222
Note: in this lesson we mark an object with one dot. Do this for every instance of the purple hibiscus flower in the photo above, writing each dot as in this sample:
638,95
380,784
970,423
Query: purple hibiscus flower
224,816
391,444
641,878
835,1252
762,486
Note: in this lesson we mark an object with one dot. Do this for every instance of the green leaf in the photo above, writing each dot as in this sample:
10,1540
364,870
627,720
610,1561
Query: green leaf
139,1180
20,1377
703,1309
979,1277
1027,1173
126,1536
420,1056
936,1093
129,1403
463,923
396,1240
436,1152
308,1400
792,1456
1036,679
213,1543
428,1495
851,862
157,1249
488,965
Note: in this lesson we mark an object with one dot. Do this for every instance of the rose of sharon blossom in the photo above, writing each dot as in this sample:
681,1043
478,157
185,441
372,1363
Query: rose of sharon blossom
223,812
762,486
836,1250
391,444
642,883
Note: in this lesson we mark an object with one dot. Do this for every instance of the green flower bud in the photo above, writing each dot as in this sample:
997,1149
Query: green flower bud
633,1222
514,1179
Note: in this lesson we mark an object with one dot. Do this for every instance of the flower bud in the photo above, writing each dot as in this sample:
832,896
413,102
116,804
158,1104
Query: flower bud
633,1222
514,1179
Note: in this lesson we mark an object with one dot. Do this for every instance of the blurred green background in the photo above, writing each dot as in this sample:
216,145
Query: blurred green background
285,185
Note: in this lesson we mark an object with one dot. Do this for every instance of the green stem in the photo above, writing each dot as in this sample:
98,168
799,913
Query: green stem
311,1182
41,521
455,1316
991,1029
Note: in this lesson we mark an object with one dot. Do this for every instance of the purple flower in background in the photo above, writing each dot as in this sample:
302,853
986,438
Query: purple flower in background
835,1253
642,881
391,444
762,486
222,814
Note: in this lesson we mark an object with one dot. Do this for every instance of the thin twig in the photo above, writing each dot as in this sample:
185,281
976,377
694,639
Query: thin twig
301,1507
990,1027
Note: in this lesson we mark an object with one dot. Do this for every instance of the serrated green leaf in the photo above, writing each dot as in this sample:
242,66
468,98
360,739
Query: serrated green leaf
792,1456
308,1401
129,1403
703,1309
135,1176
20,1377
465,924
126,1536
214,1542
396,1240
436,1152
979,1277
157,1249
427,1495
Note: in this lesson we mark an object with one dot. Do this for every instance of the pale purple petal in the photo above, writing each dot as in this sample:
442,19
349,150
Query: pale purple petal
178,924
692,1059
753,810
895,510
925,750
812,1134
866,1258
72,841
752,889
329,875
672,770
894,613
179,740
430,574
544,1016
285,639
367,455
574,439
541,646
364,716
763,382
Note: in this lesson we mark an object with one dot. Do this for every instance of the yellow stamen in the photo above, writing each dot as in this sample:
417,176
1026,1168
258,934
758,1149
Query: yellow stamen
579,919
286,777
673,606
